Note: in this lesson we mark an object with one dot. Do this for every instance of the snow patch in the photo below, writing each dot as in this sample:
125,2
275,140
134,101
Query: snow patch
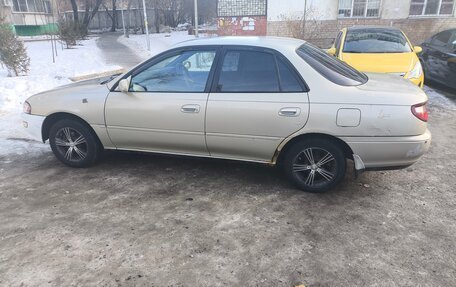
44,75
438,100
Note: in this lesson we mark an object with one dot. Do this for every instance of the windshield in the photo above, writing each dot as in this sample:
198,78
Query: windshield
376,41
330,67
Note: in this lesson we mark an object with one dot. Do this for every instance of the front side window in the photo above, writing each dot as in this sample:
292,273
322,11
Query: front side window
431,7
257,72
330,67
375,41
359,8
187,71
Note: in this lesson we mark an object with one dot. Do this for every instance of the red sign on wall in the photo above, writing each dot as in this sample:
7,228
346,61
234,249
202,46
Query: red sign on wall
242,26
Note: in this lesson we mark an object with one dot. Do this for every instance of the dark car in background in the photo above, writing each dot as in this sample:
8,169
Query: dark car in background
439,58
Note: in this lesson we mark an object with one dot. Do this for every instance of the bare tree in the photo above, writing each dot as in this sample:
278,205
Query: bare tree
74,6
112,15
141,16
157,5
90,10
127,31
169,12
207,11
88,16
303,26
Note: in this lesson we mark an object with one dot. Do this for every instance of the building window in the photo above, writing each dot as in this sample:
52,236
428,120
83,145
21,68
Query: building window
431,7
359,8
39,6
233,8
47,7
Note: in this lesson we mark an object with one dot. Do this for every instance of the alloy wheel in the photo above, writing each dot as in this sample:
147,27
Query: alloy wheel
71,144
315,166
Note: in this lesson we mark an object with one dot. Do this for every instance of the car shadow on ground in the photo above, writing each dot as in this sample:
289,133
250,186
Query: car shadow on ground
444,90
171,172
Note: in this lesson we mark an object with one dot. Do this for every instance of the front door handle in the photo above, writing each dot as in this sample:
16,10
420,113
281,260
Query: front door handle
289,112
190,109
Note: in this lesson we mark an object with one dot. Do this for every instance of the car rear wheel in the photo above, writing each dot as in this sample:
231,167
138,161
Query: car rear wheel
315,165
423,66
73,143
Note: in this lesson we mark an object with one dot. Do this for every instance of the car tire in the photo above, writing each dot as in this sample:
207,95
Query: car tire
423,66
73,143
315,165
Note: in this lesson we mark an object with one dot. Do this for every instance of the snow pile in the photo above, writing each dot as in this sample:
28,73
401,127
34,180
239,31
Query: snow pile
158,42
436,99
43,75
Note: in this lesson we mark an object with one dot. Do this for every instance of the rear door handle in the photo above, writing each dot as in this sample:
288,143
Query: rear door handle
289,112
190,109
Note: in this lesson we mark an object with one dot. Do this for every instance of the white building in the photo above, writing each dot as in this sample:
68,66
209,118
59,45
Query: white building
384,9
419,19
29,17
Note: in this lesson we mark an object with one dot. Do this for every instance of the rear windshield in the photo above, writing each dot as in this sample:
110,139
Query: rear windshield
376,41
330,67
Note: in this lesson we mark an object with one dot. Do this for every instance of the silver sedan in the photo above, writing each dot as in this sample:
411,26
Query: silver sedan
260,99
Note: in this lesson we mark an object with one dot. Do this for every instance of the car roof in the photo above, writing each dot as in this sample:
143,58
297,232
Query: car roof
260,41
355,28
448,30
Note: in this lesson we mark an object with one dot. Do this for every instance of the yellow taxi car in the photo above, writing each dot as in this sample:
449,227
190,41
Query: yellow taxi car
379,49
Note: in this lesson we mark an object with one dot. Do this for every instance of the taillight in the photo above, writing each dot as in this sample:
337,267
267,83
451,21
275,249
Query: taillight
420,111
27,108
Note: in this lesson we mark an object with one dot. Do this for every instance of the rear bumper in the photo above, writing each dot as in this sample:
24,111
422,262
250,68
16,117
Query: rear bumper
33,124
389,152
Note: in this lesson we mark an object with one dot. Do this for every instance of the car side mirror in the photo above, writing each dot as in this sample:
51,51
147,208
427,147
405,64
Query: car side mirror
332,51
124,85
187,65
417,49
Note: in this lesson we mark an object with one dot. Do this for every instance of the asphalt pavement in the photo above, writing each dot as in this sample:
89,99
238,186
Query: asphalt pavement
116,53
138,219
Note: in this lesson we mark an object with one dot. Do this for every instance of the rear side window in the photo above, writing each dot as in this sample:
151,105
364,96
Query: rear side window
330,67
256,72
248,71
442,38
289,81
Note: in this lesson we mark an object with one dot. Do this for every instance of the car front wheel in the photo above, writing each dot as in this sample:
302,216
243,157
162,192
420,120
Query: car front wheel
315,165
73,143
